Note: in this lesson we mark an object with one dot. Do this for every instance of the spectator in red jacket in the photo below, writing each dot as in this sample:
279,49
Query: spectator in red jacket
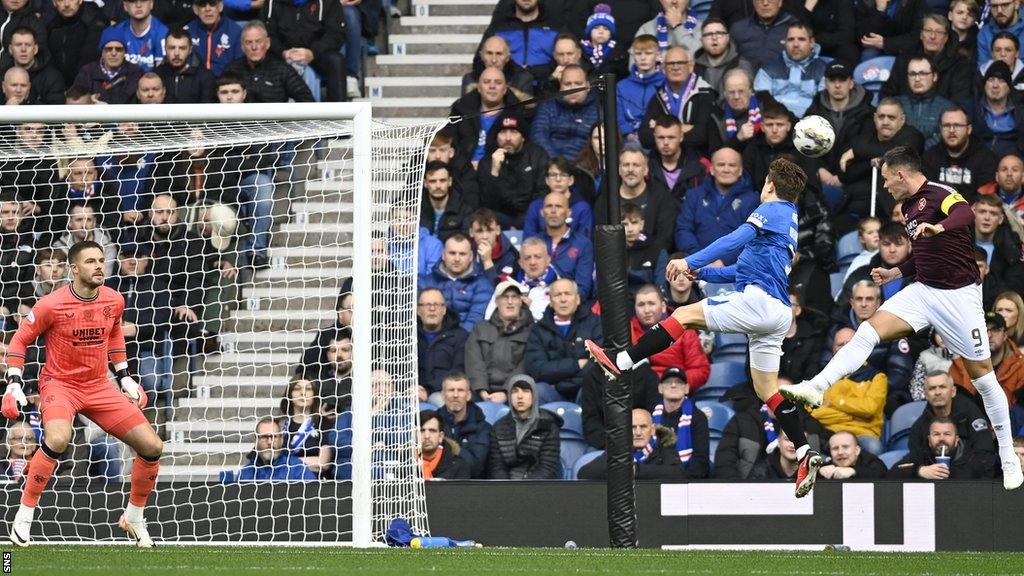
686,352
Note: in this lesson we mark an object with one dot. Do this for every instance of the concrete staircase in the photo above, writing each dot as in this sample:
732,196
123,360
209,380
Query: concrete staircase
284,306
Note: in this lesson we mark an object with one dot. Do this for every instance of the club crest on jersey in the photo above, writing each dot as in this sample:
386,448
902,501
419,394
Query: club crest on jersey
921,203
87,315
108,312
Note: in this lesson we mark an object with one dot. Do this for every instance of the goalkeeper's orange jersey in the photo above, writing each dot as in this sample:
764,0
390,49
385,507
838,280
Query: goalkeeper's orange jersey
81,335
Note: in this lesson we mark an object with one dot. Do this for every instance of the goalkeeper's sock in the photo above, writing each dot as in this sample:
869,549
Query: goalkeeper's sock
658,338
144,473
849,358
38,474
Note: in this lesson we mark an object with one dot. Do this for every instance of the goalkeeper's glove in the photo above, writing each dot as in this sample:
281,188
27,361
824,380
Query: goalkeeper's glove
131,388
14,397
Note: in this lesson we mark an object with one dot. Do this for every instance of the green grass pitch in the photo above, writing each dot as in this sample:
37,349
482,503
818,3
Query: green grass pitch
279,561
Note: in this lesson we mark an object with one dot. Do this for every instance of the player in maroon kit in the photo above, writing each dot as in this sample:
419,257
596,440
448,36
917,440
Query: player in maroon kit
82,326
946,296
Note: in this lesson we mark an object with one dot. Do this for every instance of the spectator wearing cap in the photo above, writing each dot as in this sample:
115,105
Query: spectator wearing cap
674,26
143,34
945,401
954,72
922,105
686,353
847,106
1006,48
717,55
684,96
73,36
1007,361
562,125
555,354
496,348
309,34
855,403
146,319
512,172
572,253
778,76
530,33
439,454
848,460
996,118
482,111
655,452
1003,16
443,211
760,36
112,78
494,53
440,342
185,77
677,412
217,39
525,442
599,45
959,160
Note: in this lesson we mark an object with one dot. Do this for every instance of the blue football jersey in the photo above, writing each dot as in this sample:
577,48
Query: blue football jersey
767,259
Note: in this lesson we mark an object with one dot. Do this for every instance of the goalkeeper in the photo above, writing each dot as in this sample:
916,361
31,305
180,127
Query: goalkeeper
82,327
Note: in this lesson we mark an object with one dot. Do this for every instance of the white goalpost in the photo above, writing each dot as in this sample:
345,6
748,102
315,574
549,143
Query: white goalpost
267,254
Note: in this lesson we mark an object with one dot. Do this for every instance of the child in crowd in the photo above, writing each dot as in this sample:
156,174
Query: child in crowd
867,233
598,37
646,263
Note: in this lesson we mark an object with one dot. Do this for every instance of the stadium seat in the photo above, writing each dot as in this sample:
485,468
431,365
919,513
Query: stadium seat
700,9
428,406
514,237
847,249
899,425
583,461
572,450
493,411
718,416
724,375
572,418
871,74
836,279
730,348
892,457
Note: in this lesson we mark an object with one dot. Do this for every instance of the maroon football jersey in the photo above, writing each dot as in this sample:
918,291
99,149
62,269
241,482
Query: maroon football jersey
946,260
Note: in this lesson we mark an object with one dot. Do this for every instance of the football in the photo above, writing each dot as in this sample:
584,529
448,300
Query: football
813,136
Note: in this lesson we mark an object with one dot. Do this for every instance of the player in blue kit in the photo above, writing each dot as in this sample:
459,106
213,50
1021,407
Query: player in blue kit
759,308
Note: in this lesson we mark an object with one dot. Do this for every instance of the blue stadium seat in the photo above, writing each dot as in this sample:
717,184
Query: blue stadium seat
730,343
492,411
572,449
429,406
583,461
515,237
872,73
892,457
899,425
718,416
836,279
572,418
700,8
724,375
847,248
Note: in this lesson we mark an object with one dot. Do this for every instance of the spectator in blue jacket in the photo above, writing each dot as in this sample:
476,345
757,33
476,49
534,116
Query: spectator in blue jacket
636,90
759,37
1003,16
407,254
440,342
778,78
555,354
562,125
995,117
270,460
466,289
465,423
529,33
718,206
572,254
144,34
559,177
216,38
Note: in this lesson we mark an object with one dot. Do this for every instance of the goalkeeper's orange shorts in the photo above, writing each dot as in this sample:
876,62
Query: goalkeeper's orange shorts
99,401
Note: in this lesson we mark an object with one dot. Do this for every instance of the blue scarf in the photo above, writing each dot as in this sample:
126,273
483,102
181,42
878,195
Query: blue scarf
753,115
297,439
769,430
684,439
673,102
597,52
643,454
662,29
550,276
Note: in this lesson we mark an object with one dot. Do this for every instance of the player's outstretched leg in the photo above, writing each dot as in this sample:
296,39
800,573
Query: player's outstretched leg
148,449
849,358
787,414
998,411
658,338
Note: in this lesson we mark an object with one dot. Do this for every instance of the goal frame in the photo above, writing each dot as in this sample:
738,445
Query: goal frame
360,113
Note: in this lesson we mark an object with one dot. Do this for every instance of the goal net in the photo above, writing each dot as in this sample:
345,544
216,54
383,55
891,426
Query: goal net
268,263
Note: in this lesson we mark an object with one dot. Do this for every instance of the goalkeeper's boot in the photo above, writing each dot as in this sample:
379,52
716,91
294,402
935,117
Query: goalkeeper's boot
1012,475
806,392
807,473
137,531
21,528
602,359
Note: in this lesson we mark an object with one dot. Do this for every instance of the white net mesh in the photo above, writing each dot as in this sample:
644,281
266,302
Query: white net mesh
232,243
